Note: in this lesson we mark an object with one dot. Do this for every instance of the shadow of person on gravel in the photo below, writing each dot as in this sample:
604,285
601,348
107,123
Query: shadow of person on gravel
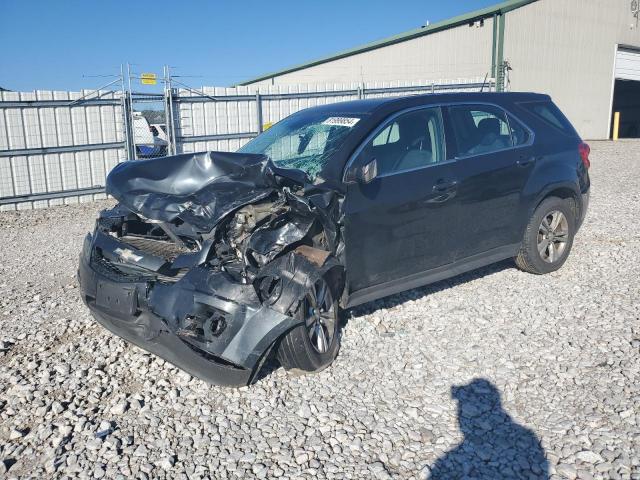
494,446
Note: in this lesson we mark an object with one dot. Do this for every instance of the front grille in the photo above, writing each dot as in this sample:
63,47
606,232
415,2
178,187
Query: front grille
159,248
111,271
118,273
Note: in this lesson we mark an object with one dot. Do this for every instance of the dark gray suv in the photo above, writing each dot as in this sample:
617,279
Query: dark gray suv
211,260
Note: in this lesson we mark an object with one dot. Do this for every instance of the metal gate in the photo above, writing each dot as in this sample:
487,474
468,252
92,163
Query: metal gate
148,125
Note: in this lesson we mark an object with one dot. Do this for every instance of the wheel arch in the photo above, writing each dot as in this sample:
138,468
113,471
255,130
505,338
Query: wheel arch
335,277
564,193
563,190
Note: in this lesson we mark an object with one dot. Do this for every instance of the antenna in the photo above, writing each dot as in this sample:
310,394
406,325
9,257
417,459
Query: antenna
484,82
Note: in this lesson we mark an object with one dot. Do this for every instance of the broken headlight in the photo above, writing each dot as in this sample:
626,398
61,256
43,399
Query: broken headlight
269,289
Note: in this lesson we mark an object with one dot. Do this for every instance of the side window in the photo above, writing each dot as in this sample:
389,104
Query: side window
480,129
551,114
411,140
391,134
519,135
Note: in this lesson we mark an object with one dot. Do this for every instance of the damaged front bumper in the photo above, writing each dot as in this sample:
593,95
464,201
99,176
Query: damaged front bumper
204,323
207,256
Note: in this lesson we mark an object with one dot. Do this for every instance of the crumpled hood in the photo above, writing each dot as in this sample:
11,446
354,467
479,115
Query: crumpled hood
199,188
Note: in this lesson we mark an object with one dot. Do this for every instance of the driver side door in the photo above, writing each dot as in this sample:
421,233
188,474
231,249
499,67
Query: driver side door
401,223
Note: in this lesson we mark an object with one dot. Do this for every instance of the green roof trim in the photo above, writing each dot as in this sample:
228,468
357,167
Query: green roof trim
500,8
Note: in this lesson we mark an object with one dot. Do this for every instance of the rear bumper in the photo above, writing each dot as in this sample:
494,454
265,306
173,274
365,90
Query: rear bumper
151,315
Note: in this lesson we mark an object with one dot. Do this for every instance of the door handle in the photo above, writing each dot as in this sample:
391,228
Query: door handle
525,161
444,186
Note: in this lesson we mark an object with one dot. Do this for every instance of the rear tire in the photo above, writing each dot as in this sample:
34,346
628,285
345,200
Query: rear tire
548,237
312,346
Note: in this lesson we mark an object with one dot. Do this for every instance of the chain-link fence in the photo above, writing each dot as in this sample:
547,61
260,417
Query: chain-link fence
148,119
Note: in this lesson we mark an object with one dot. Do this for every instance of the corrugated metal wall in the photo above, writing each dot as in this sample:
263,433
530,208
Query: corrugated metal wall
220,118
238,118
48,145
33,137
628,65
463,52
566,48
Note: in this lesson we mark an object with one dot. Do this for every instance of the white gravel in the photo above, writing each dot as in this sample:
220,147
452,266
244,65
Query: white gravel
562,350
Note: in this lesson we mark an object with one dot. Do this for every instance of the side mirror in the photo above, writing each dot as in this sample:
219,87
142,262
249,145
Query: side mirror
368,171
362,174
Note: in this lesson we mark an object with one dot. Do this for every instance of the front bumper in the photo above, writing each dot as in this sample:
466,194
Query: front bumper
152,315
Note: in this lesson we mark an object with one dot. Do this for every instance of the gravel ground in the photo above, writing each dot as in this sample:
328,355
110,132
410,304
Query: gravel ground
493,374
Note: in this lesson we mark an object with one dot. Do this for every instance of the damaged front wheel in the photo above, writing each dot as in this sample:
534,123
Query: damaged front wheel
312,346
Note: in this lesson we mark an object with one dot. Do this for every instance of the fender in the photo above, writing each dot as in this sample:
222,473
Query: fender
282,283
549,175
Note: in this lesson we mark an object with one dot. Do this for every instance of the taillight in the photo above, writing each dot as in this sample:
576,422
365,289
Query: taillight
584,151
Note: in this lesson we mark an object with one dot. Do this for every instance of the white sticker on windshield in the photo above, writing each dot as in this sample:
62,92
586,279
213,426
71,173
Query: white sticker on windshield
341,121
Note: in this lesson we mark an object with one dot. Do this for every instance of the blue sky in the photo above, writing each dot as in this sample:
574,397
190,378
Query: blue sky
52,44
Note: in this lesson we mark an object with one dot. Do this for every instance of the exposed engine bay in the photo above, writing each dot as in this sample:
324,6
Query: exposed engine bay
218,259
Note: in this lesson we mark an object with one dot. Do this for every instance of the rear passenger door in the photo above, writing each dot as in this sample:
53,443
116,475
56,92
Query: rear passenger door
493,162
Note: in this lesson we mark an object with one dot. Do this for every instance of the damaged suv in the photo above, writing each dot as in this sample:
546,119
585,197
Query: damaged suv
212,259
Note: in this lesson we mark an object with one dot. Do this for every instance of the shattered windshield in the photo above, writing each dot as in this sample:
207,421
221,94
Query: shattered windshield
305,140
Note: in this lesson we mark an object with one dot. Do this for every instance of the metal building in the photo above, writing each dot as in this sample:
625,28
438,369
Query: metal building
584,53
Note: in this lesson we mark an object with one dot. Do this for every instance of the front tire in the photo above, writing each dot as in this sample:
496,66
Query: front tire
548,238
312,346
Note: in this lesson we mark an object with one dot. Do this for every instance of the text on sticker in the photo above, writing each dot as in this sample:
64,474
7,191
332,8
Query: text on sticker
341,121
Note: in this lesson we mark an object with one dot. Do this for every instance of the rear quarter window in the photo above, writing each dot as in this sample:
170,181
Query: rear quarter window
551,115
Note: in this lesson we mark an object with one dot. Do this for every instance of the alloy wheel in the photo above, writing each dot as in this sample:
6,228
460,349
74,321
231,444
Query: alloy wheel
320,316
553,235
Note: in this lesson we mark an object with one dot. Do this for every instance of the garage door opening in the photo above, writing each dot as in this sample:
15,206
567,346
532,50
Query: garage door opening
626,92
626,100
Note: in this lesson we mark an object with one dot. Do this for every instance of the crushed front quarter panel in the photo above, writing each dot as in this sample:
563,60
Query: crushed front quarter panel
253,238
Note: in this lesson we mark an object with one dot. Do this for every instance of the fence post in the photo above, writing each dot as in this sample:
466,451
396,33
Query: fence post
259,112
170,119
128,128
167,115
129,118
171,125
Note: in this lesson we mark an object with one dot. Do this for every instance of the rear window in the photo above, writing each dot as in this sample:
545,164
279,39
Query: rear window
549,113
